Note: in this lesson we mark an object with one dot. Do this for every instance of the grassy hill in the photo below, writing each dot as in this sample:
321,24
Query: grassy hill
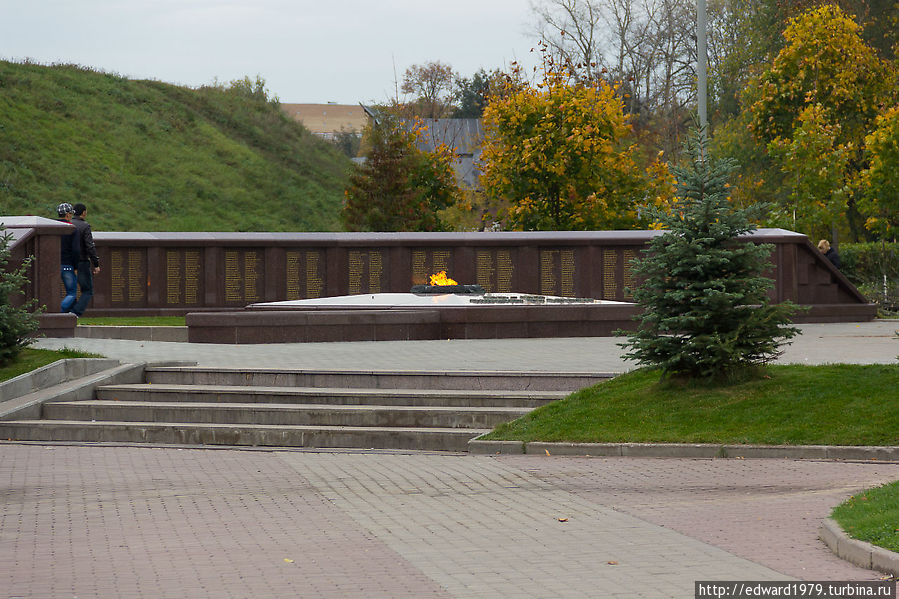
150,156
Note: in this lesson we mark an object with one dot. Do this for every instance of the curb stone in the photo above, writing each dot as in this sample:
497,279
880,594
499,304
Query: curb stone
858,552
60,371
686,450
172,334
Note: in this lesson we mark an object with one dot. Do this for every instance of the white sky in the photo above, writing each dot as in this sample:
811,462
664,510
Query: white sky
308,51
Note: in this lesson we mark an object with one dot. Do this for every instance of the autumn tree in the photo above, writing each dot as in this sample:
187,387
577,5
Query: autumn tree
648,46
645,47
880,181
558,152
432,86
399,187
813,112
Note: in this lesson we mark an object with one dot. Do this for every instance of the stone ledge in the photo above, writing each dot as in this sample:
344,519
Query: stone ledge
56,325
858,552
478,447
28,406
134,333
53,374
687,450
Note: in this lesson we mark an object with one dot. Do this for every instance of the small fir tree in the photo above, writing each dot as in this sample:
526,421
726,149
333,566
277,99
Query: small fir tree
17,324
399,187
706,310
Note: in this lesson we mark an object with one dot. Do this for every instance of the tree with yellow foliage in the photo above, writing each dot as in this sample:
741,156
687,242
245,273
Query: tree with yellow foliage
880,181
558,152
813,107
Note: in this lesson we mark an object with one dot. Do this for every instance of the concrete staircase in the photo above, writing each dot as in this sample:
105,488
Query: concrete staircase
299,408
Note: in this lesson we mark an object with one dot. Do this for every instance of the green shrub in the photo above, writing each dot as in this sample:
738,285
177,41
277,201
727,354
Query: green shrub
873,268
17,324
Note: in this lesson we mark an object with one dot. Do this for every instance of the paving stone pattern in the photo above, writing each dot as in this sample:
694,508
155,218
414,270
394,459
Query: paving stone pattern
121,522
482,528
110,522
768,511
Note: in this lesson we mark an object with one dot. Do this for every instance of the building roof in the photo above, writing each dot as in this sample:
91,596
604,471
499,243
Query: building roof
465,135
328,119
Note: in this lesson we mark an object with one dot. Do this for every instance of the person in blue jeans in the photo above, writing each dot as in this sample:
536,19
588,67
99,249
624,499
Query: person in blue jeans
88,261
69,253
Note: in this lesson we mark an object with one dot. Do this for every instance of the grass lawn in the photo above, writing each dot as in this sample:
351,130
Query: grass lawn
793,405
30,359
872,516
133,321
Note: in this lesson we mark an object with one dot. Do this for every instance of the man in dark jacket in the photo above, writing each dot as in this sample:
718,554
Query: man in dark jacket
88,263
69,251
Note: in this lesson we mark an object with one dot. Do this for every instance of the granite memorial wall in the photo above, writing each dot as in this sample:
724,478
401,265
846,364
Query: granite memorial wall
176,273
176,276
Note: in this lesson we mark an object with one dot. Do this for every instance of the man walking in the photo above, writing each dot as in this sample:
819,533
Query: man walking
69,250
88,263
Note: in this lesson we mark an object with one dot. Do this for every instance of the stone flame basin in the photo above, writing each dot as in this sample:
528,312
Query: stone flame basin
406,316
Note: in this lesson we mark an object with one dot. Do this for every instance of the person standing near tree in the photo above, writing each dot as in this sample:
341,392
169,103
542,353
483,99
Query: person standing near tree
88,263
69,251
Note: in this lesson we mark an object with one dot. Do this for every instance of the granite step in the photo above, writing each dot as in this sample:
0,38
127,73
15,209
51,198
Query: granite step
378,379
179,433
296,408
336,396
282,414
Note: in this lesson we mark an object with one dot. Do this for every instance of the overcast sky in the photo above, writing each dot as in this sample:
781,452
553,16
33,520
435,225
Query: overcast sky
308,51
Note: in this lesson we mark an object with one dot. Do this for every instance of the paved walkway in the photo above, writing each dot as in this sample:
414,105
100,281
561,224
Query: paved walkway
118,521
855,343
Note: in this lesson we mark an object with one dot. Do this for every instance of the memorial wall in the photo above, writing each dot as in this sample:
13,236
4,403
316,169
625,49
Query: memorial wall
176,273
180,273
158,273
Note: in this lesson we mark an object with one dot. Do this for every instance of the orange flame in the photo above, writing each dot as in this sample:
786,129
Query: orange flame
441,279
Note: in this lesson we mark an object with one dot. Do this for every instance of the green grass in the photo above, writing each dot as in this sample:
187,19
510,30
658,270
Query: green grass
133,321
30,359
795,405
872,516
150,156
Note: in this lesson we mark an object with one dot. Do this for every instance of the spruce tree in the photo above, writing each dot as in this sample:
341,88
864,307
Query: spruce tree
17,324
706,311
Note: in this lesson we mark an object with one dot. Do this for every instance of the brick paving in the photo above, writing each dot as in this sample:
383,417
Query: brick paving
122,522
767,511
482,528
106,521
